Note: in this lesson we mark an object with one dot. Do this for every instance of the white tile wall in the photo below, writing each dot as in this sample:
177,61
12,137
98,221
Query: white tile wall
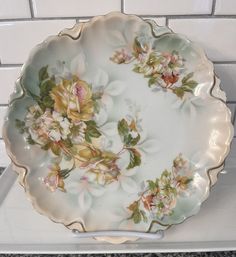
69,8
198,19
216,36
2,115
225,7
21,36
232,109
4,159
168,7
8,76
227,73
14,9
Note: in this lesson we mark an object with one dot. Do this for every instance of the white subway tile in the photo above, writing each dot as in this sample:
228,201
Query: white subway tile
2,115
14,9
227,73
216,36
225,7
72,8
167,7
18,38
8,76
4,159
231,159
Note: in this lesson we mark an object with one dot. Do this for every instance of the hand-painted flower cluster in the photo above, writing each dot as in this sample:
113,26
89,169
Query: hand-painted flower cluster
63,120
162,69
159,197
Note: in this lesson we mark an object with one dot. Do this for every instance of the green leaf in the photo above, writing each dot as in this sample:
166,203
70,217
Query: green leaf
137,217
160,205
65,173
20,125
87,138
30,140
123,128
91,131
127,139
165,173
135,140
143,214
187,77
35,97
97,95
48,102
46,146
191,84
91,123
135,158
37,114
46,87
134,206
96,106
136,69
55,149
152,185
75,130
43,73
152,81
179,91
67,143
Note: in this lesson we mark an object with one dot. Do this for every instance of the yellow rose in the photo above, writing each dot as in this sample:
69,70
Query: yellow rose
101,163
74,99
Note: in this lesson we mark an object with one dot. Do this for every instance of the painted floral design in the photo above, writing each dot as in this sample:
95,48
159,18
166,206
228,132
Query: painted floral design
162,69
160,196
55,178
73,98
68,119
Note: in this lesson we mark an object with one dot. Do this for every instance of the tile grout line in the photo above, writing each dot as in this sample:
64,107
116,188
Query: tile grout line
10,65
213,7
224,62
193,16
31,8
45,18
122,6
167,21
234,117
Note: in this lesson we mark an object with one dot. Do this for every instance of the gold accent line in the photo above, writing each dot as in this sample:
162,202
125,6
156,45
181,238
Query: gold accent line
152,29
156,222
76,222
80,28
23,91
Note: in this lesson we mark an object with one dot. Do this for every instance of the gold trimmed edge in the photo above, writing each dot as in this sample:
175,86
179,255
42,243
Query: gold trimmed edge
22,175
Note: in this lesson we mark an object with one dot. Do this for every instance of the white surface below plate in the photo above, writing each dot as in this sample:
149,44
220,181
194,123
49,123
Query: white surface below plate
23,230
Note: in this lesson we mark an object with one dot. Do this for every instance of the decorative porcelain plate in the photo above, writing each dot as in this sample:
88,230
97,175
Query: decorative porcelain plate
118,124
